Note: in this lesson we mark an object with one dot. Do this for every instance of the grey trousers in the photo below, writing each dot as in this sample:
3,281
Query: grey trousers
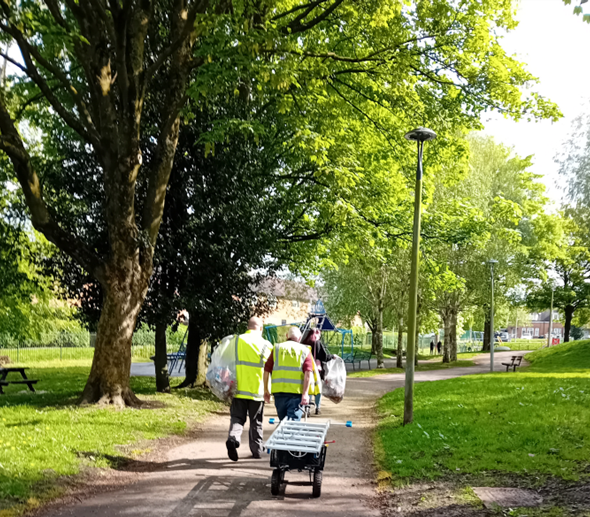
240,409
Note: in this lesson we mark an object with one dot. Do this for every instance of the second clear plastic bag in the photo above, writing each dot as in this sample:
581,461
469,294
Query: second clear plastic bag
334,382
221,374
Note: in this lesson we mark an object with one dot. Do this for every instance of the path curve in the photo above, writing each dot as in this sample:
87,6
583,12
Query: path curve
198,480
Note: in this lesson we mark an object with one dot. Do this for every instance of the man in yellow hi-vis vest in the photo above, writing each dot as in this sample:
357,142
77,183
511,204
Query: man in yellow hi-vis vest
252,352
294,376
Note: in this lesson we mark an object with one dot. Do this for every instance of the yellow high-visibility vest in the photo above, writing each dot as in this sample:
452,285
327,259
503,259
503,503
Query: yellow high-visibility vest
287,373
252,351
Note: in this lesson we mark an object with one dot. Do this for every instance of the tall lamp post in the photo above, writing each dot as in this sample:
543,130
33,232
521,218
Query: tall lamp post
549,336
491,263
419,136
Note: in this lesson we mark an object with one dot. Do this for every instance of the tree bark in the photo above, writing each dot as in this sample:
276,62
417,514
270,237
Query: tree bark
108,382
417,343
193,344
161,359
374,340
569,315
447,324
486,334
453,337
400,349
202,364
379,336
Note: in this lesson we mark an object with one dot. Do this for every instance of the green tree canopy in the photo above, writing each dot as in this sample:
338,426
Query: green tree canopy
571,272
579,9
96,66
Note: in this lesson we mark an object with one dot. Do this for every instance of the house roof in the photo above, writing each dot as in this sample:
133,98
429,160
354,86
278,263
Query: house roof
289,289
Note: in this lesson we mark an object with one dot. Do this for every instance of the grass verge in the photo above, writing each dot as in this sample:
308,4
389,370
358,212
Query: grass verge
45,436
532,423
423,367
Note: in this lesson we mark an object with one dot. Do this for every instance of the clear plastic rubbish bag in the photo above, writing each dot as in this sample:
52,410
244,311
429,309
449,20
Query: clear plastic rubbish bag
334,382
221,374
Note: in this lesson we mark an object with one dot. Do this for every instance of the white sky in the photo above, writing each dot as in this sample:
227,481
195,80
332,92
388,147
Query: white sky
554,43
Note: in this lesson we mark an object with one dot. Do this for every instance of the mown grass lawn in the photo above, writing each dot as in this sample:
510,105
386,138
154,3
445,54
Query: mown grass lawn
535,422
44,436
423,367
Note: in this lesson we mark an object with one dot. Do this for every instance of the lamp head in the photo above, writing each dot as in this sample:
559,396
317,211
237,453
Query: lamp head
492,262
420,134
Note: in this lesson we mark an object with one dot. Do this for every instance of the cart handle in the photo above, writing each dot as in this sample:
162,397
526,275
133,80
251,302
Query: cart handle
348,423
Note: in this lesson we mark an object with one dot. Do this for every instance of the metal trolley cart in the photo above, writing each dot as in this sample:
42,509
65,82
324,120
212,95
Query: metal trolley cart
298,445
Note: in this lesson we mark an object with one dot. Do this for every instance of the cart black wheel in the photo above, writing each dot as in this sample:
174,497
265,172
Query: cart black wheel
317,483
275,482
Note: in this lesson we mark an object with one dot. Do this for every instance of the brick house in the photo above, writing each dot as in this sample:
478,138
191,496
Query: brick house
537,327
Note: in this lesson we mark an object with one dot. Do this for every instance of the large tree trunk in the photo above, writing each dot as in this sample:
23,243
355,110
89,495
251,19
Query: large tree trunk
486,334
202,364
193,345
569,314
453,337
161,359
447,324
400,349
416,344
114,79
374,340
108,382
379,335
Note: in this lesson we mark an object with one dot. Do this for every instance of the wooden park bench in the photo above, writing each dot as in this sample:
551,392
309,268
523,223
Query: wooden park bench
514,363
4,373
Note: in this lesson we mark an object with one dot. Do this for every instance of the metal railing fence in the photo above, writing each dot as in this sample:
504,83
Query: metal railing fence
64,346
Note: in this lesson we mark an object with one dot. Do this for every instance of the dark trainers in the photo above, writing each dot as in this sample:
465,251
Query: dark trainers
232,447
256,456
317,411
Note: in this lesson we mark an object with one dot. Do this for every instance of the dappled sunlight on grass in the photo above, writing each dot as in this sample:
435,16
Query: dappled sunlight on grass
45,435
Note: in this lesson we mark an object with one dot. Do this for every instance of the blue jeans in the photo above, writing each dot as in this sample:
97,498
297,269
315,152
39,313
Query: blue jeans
318,400
287,404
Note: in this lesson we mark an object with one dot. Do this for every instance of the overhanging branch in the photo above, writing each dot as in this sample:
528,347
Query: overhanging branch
11,143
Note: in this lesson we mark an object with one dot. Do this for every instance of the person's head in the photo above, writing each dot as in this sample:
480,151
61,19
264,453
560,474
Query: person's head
294,334
255,323
312,336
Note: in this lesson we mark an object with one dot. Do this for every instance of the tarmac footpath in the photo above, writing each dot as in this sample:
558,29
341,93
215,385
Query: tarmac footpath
198,480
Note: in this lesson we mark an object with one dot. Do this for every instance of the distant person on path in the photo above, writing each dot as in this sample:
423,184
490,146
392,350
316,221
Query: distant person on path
321,356
252,351
439,347
432,347
294,376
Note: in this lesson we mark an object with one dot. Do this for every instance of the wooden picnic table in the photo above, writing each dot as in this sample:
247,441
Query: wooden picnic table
25,380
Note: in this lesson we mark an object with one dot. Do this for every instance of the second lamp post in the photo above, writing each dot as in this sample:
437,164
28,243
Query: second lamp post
420,136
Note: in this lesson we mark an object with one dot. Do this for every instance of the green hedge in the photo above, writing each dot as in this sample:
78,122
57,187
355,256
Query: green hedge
76,339
143,336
